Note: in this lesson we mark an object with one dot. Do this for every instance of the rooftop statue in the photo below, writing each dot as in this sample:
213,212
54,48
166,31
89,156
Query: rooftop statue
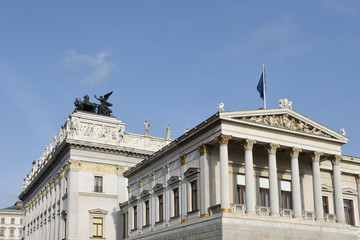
87,106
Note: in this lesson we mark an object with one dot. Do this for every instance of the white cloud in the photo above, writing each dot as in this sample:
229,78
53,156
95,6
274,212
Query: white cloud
349,8
91,70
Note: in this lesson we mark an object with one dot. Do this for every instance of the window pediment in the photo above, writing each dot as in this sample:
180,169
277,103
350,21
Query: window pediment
159,187
349,191
191,172
133,199
326,188
98,211
145,193
174,180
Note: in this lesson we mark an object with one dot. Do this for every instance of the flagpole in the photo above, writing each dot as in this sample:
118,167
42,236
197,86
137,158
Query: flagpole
264,82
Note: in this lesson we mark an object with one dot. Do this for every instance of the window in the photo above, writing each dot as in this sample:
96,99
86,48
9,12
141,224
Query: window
194,195
125,224
12,233
20,232
286,200
12,220
2,232
97,226
176,212
2,220
135,216
325,201
161,207
21,221
98,184
264,192
241,196
147,213
348,209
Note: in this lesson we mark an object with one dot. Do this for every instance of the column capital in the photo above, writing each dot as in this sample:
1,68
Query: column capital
205,149
249,144
294,153
271,148
223,139
336,159
182,159
167,168
152,176
357,178
315,156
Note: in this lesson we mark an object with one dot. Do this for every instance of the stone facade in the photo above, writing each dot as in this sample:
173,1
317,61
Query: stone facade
74,189
11,222
262,174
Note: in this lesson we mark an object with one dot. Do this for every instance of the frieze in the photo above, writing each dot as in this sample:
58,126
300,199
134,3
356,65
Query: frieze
285,121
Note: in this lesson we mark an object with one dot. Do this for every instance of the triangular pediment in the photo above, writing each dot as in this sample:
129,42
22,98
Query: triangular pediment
285,120
326,188
98,211
191,171
349,191
133,199
174,180
145,193
159,187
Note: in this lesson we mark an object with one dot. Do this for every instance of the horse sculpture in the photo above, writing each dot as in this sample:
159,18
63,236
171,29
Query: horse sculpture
85,105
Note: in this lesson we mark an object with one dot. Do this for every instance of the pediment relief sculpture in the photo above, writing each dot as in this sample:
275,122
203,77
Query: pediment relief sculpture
285,121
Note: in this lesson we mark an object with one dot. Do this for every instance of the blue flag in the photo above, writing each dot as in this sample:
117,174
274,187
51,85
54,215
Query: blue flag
260,86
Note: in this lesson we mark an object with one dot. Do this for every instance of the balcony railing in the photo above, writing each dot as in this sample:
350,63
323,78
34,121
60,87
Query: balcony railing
263,211
330,217
238,208
287,213
309,215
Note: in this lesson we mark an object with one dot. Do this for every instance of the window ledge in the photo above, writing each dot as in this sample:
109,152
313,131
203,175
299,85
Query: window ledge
193,211
97,238
174,217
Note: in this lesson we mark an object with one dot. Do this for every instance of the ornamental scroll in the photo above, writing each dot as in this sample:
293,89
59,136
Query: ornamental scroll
287,122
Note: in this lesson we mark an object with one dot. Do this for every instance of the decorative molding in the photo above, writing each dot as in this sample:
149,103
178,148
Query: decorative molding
166,168
326,188
159,187
285,121
249,144
349,191
133,199
294,153
182,159
223,139
271,148
357,178
205,149
191,171
315,156
152,176
145,194
98,211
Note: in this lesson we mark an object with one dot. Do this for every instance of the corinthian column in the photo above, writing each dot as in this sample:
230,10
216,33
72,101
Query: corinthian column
273,179
224,172
339,204
295,181
317,185
249,176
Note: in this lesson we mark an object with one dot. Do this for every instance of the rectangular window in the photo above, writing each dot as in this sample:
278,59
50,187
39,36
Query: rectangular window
325,202
2,220
2,232
12,220
20,232
97,223
125,224
135,216
21,221
194,195
241,196
264,197
176,212
147,213
161,208
12,233
286,202
349,212
98,184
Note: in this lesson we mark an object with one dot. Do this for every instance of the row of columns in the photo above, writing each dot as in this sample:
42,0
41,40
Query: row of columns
273,180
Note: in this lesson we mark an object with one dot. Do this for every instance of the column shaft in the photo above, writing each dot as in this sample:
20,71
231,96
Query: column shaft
339,202
295,182
273,180
317,186
249,177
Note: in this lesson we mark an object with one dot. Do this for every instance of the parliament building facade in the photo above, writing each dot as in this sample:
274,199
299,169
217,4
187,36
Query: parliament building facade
261,174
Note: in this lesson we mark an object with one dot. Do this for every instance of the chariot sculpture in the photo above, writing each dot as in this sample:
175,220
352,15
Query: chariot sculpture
87,106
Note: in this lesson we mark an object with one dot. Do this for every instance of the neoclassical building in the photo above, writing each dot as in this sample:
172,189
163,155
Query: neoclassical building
11,222
74,189
261,174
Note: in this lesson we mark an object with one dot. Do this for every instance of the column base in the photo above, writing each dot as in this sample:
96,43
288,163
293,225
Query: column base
226,210
204,215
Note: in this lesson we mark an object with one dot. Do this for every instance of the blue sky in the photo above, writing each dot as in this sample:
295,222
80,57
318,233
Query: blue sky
170,62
